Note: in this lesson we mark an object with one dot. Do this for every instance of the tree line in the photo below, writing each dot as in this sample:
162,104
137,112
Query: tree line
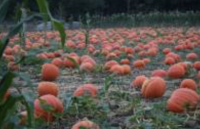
77,8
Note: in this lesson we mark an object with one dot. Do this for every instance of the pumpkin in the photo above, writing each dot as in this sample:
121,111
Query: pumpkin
85,124
153,87
166,51
169,61
138,81
188,83
139,64
125,61
49,72
191,56
127,69
86,89
146,60
57,62
87,66
109,64
117,69
47,100
197,65
159,73
176,71
71,61
182,98
47,88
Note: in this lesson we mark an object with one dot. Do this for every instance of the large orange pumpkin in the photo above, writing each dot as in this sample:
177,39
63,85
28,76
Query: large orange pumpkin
47,88
86,89
47,100
49,72
188,83
153,87
176,71
181,99
85,124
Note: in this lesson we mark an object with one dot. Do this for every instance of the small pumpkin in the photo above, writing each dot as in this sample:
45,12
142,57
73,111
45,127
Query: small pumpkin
139,64
47,100
182,98
117,69
159,73
176,71
191,56
49,72
86,89
169,61
47,88
197,65
138,81
127,69
85,124
87,66
188,83
57,62
109,64
153,87
125,61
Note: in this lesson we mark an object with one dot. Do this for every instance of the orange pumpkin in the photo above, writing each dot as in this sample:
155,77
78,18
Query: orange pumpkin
109,64
86,88
191,56
153,87
117,69
138,81
169,61
57,62
188,83
176,71
47,100
159,73
69,63
47,88
85,124
125,61
166,50
146,60
87,66
49,72
127,69
139,64
197,65
181,99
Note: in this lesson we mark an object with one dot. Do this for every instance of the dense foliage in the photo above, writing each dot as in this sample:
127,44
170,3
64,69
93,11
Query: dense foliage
76,8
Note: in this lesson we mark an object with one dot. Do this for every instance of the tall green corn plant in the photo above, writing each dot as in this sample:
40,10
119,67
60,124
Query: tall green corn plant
8,107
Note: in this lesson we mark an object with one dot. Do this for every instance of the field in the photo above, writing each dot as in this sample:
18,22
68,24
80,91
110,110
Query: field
110,60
